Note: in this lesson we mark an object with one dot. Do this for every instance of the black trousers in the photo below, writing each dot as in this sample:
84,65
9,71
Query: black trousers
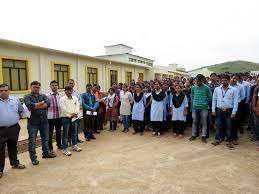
57,124
113,125
99,121
138,126
89,125
9,136
237,121
157,126
178,127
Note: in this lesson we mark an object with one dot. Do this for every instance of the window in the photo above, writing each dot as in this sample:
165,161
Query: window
113,76
141,77
164,76
132,60
61,74
157,76
92,75
128,77
15,74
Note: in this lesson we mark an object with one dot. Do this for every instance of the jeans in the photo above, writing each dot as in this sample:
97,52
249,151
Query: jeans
9,136
126,121
43,127
202,114
224,121
68,125
55,123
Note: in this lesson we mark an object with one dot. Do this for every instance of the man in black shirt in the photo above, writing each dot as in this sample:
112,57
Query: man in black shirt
38,105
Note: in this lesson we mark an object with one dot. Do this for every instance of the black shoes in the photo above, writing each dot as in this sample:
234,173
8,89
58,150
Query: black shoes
35,162
18,166
49,155
192,138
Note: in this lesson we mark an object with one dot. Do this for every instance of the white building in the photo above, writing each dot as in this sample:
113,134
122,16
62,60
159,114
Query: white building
122,52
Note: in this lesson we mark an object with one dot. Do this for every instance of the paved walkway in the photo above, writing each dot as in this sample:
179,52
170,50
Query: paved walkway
123,163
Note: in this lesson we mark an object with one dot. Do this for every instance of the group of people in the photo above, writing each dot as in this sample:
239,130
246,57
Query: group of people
224,103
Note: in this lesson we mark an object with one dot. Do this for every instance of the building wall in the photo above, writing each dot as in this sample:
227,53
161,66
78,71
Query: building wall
41,67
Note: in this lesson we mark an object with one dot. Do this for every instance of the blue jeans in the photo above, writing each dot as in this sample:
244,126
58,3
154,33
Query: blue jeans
224,121
68,125
202,114
43,127
126,121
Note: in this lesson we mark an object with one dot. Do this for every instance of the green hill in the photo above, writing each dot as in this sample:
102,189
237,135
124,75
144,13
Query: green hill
234,67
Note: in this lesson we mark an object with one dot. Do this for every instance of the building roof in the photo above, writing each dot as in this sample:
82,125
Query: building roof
118,45
26,45
127,54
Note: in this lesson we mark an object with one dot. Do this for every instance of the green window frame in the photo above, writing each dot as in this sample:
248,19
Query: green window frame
15,74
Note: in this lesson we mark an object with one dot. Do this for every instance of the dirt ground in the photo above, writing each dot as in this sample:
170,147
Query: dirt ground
122,163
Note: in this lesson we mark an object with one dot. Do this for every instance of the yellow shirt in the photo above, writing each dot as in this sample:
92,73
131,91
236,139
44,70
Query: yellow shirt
69,106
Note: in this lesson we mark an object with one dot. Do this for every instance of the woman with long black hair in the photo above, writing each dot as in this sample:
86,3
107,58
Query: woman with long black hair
138,110
157,108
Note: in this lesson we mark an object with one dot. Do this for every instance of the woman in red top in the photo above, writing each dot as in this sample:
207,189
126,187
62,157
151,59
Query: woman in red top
112,109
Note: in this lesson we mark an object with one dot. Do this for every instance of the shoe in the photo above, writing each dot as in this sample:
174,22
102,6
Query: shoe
87,139
80,141
67,153
154,133
92,137
215,143
96,132
192,138
49,155
158,134
134,133
124,130
76,148
203,139
141,133
18,166
35,162
1,174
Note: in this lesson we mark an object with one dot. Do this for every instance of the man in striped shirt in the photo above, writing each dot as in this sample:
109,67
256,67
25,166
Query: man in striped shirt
54,114
200,101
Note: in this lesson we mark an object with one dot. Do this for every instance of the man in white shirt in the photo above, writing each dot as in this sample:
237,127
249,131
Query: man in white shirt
70,109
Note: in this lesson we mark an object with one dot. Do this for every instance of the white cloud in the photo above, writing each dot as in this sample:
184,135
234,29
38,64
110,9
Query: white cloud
190,33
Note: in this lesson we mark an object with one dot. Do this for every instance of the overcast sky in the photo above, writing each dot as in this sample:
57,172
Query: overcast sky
191,33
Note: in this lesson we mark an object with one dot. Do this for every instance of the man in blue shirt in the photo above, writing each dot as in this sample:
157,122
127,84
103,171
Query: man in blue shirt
90,106
11,109
224,107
